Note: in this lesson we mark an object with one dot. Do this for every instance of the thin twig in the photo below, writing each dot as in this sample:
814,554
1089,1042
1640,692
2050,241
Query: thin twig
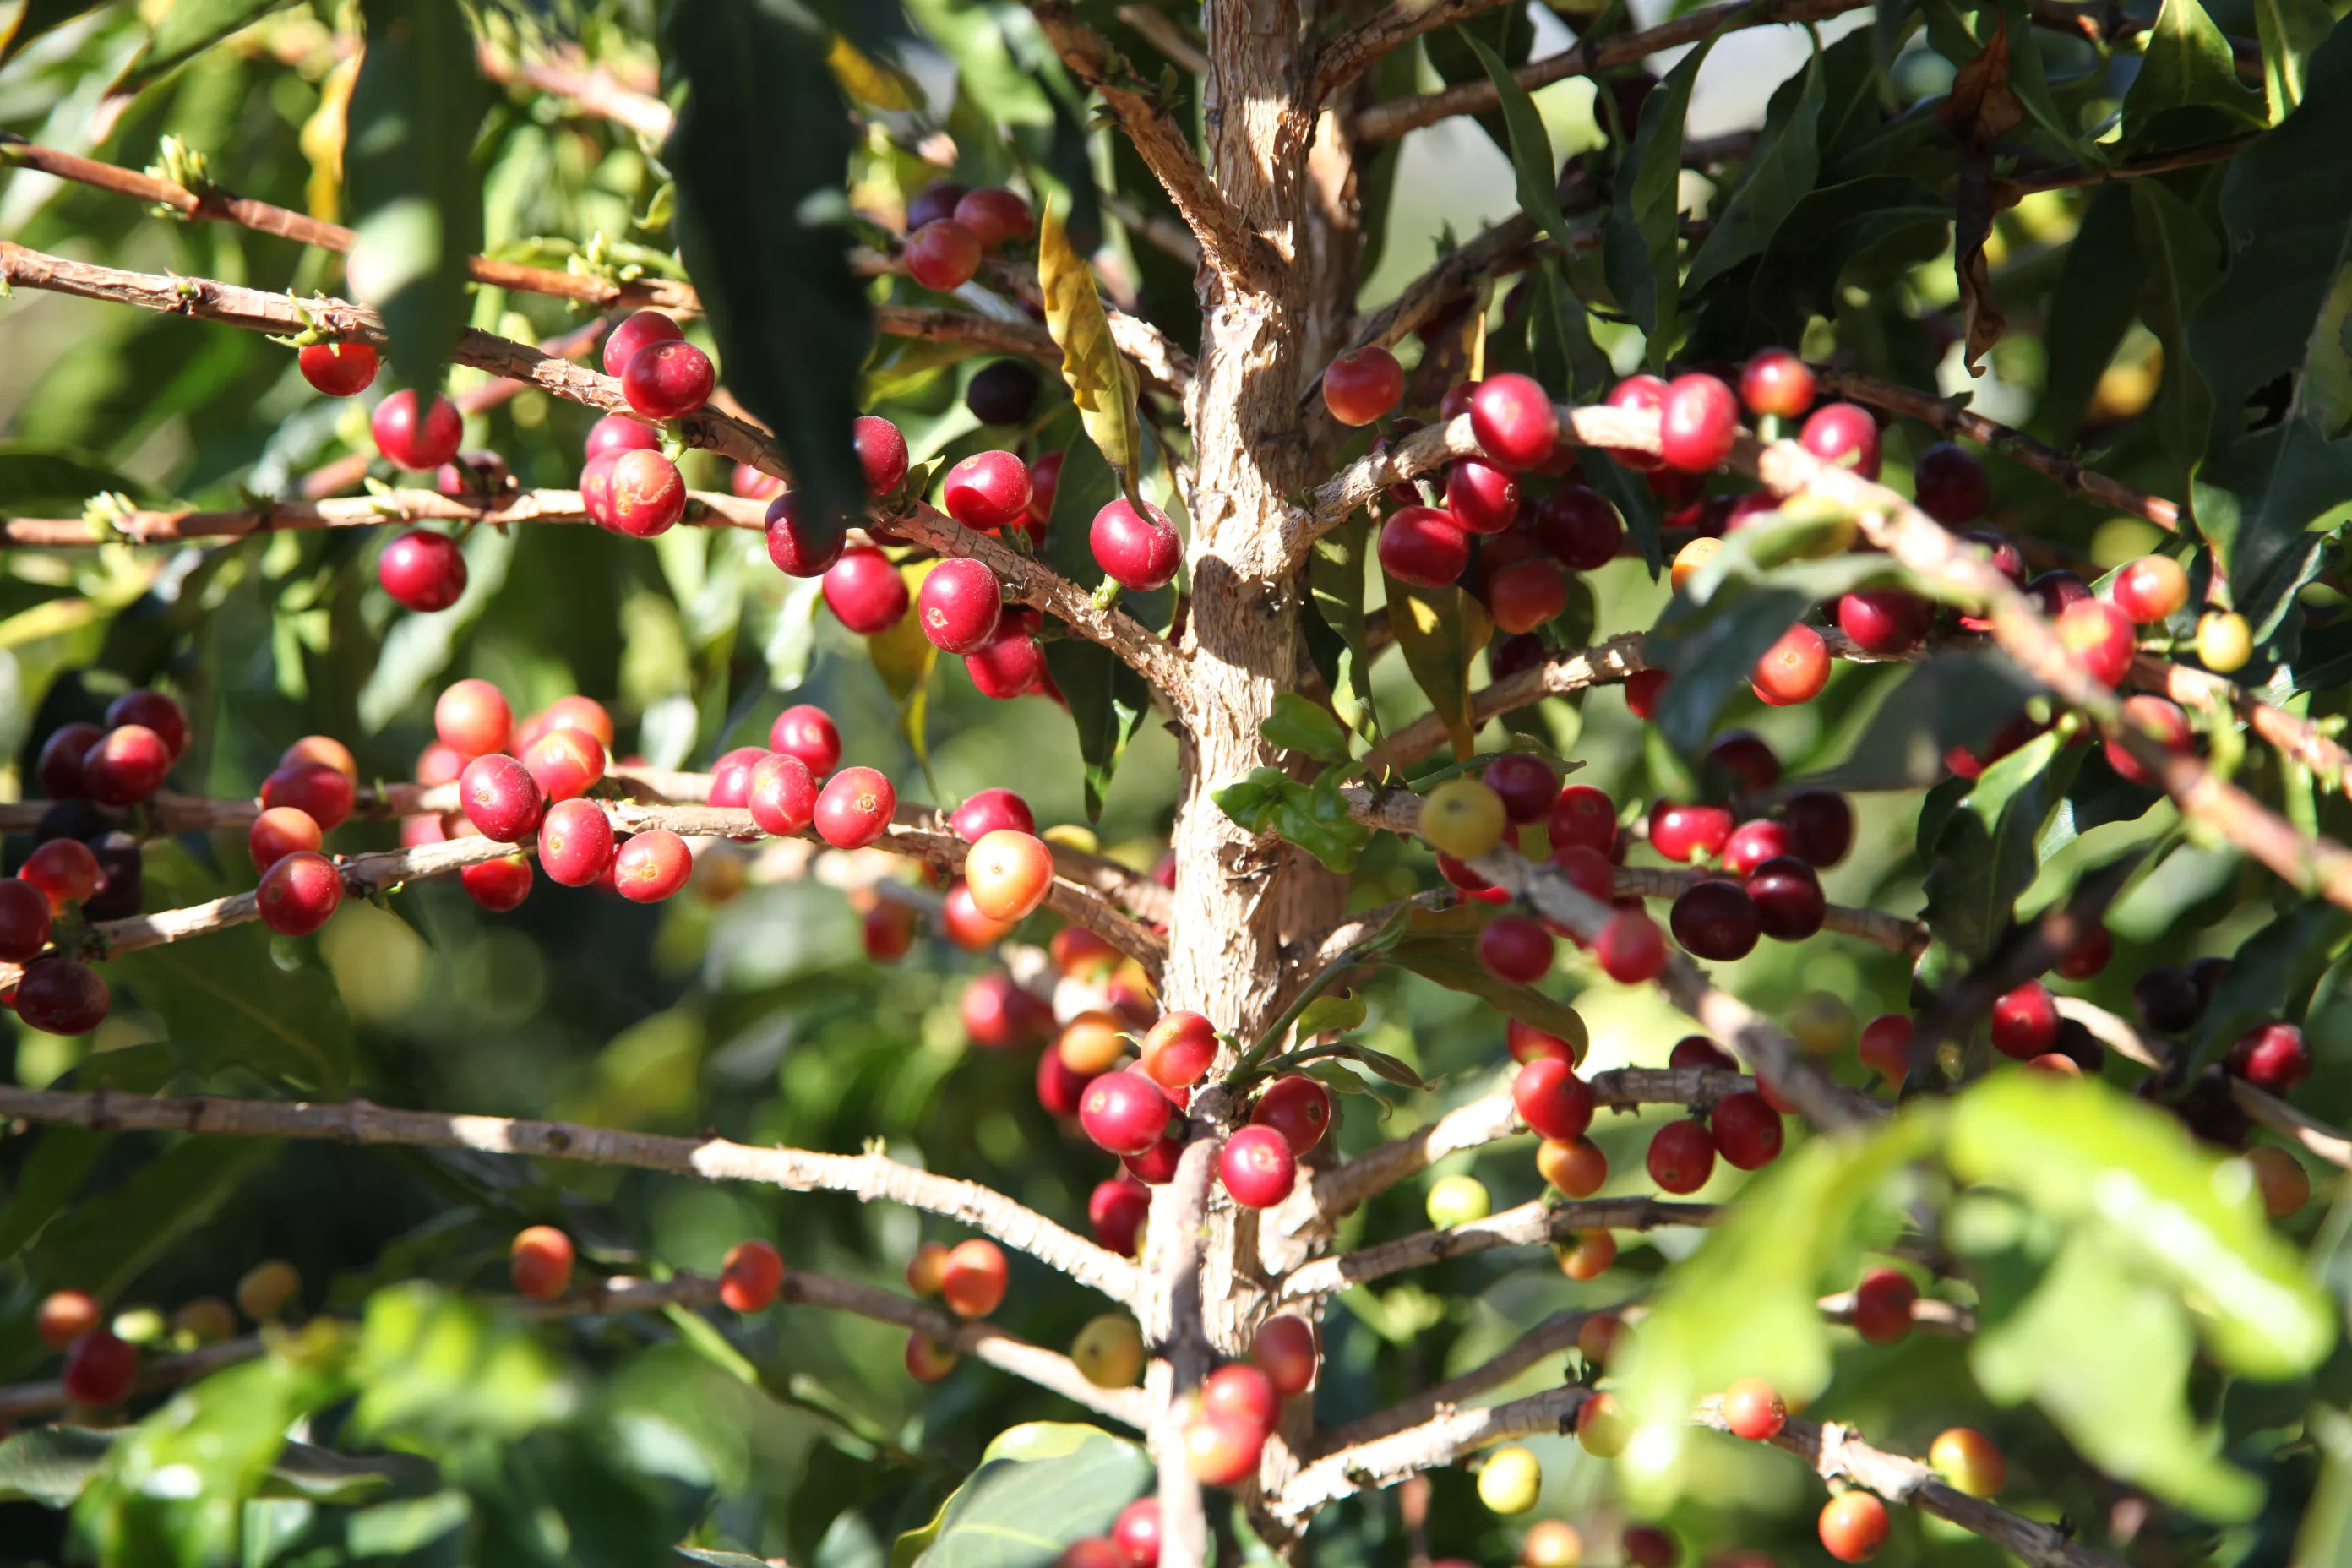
1525,1226
592,89
868,1177
1161,33
1353,52
1435,1443
2295,738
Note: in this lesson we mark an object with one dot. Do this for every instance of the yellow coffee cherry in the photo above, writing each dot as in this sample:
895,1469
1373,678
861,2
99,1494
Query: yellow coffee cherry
2224,642
1109,1351
1510,1481
1463,819
1459,1200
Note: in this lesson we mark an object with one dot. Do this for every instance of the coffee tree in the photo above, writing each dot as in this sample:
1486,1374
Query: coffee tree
1821,934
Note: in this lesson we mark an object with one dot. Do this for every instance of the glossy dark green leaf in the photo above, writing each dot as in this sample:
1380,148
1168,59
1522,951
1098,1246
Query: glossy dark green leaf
1313,816
2182,257
1381,1064
1986,853
1108,701
1798,275
1560,341
414,195
1038,1489
1777,174
1533,166
2270,468
1954,700
2272,975
2093,306
1641,244
1452,960
2290,31
762,114
1335,579
50,1176
288,1023
1440,631
104,1243
1298,724
2186,90
187,30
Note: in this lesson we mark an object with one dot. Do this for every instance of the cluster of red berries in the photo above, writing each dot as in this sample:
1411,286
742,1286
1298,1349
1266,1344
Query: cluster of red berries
971,1278
1239,1402
1133,1540
102,1355
540,1259
952,228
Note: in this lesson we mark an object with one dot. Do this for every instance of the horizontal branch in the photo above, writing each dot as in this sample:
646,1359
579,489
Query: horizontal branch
393,508
2295,738
1893,933
1025,578
1556,1335
867,1177
1443,1440
2307,1132
1239,255
1951,417
1525,1226
983,1342
592,89
937,325
1836,1453
1491,1117
1591,56
1350,54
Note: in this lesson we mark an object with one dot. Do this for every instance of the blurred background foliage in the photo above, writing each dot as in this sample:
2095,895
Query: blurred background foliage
752,1011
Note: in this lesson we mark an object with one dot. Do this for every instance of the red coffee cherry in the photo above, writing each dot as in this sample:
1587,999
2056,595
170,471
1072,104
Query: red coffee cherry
2162,722
1137,1531
2151,589
2100,637
1044,483
865,591
995,214
881,452
1526,594
1790,905
1638,395
1222,1450
1688,833
1752,843
617,433
1156,1166
1480,498
1257,1167
2272,1057
1137,553
1644,688
973,1276
540,1262
564,763
1748,1132
806,731
1526,782
1793,669
2025,1021
472,719
1179,1050
64,869
1821,825
1646,1546
298,893
1742,756
989,810
1363,384
1696,424
1009,664
1887,621
417,439
1845,436
943,254
575,842
1243,1393
959,605
1009,873
651,867
1752,1409
323,793
668,379
1526,1043
1298,1107
645,494
125,765
1582,530
59,767
1882,1305
888,931
1514,420
1778,383
99,1368
1853,1526
1681,1157
1715,921
1118,1207
1515,948
63,1316
24,920
748,483
422,571
1885,1046
1587,870
1698,1051
928,1361
783,795
596,486
152,710
1551,1100
637,331
750,1276
1124,1113
987,490
1581,814
854,807
1949,485
59,996
965,925
1477,887
934,202
338,370
731,777
998,1016
1630,947
1283,1348
1423,546
500,797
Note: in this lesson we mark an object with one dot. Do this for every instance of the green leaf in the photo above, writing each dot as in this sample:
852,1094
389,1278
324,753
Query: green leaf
1101,381
1331,1015
431,1364
1382,1064
1298,724
762,115
408,174
61,1161
1313,816
2182,257
1560,337
1779,174
104,1243
51,1464
2290,31
187,30
1533,164
1440,631
34,18
33,473
289,1021
1452,960
1747,1296
2272,975
1883,219
2092,307
1953,699
1335,578
1641,247
2186,90
1038,1489
2260,333
1986,853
